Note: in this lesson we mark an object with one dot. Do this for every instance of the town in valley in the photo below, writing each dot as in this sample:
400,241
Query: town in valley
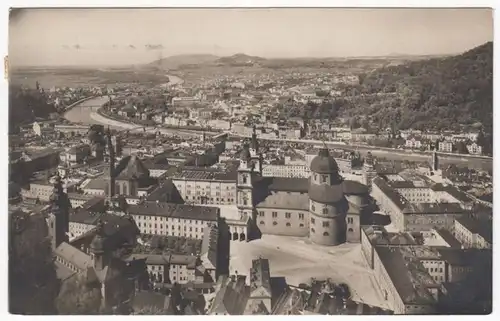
235,183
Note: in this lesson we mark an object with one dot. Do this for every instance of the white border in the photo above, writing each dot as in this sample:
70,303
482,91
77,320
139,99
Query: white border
201,3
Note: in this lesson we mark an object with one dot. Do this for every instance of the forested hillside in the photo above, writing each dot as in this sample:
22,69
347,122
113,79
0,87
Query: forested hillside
439,93
26,104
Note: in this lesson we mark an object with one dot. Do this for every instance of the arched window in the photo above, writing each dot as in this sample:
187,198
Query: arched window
261,222
125,189
325,234
244,179
275,223
315,176
313,208
325,210
117,188
350,230
288,224
312,230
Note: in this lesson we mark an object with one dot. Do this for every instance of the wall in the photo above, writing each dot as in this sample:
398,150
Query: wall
160,225
283,221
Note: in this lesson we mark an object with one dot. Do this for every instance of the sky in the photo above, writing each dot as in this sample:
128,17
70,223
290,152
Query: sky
43,37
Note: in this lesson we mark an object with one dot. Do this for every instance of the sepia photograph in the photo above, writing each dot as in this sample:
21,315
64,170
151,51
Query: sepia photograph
250,161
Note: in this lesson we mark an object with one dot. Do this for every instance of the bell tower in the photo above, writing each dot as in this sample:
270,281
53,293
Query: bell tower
244,184
58,218
111,152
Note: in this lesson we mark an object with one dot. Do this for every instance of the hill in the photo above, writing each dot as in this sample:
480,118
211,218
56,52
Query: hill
174,62
25,105
435,93
240,59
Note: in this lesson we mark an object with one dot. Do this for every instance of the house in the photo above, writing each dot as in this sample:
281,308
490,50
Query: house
474,149
445,146
413,142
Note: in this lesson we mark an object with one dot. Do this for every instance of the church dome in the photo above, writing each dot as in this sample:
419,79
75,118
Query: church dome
323,163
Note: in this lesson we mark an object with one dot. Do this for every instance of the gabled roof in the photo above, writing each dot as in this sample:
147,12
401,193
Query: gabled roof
131,167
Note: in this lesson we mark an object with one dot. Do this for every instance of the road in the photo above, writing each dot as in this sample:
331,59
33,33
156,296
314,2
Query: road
476,162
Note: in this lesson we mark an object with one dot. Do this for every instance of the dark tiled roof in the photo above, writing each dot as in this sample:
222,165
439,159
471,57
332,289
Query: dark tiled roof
327,194
463,257
288,184
160,193
285,200
476,226
85,217
193,212
393,195
449,238
402,272
131,167
353,187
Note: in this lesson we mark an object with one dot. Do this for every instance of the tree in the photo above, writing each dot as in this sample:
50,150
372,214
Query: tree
462,148
150,310
77,297
33,283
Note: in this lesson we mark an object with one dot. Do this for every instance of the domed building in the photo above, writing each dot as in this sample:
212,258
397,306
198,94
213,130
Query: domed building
335,205
326,208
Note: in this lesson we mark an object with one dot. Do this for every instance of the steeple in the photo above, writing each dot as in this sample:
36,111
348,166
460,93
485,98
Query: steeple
58,220
98,247
255,142
111,152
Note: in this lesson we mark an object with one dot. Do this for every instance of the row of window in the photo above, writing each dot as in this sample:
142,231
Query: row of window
177,220
211,199
288,224
171,227
208,187
287,215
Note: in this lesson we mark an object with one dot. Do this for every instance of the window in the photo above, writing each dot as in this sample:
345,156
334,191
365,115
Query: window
315,177
288,215
301,216
288,224
325,210
275,223
312,230
275,214
313,208
312,220
261,213
350,230
350,220
326,224
261,222
323,178
301,225
326,234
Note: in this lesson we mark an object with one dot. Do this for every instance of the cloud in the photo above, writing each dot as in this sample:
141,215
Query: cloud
154,47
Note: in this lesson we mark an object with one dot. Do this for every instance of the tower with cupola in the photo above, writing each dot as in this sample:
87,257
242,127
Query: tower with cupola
58,218
327,204
244,183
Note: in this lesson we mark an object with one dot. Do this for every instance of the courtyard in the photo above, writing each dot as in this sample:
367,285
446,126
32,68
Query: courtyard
298,260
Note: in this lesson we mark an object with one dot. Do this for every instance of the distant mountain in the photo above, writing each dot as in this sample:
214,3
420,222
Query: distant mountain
240,59
173,62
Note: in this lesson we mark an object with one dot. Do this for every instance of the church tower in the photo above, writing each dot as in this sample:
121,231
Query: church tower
244,184
111,152
58,219
98,248
369,172
327,203
255,153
